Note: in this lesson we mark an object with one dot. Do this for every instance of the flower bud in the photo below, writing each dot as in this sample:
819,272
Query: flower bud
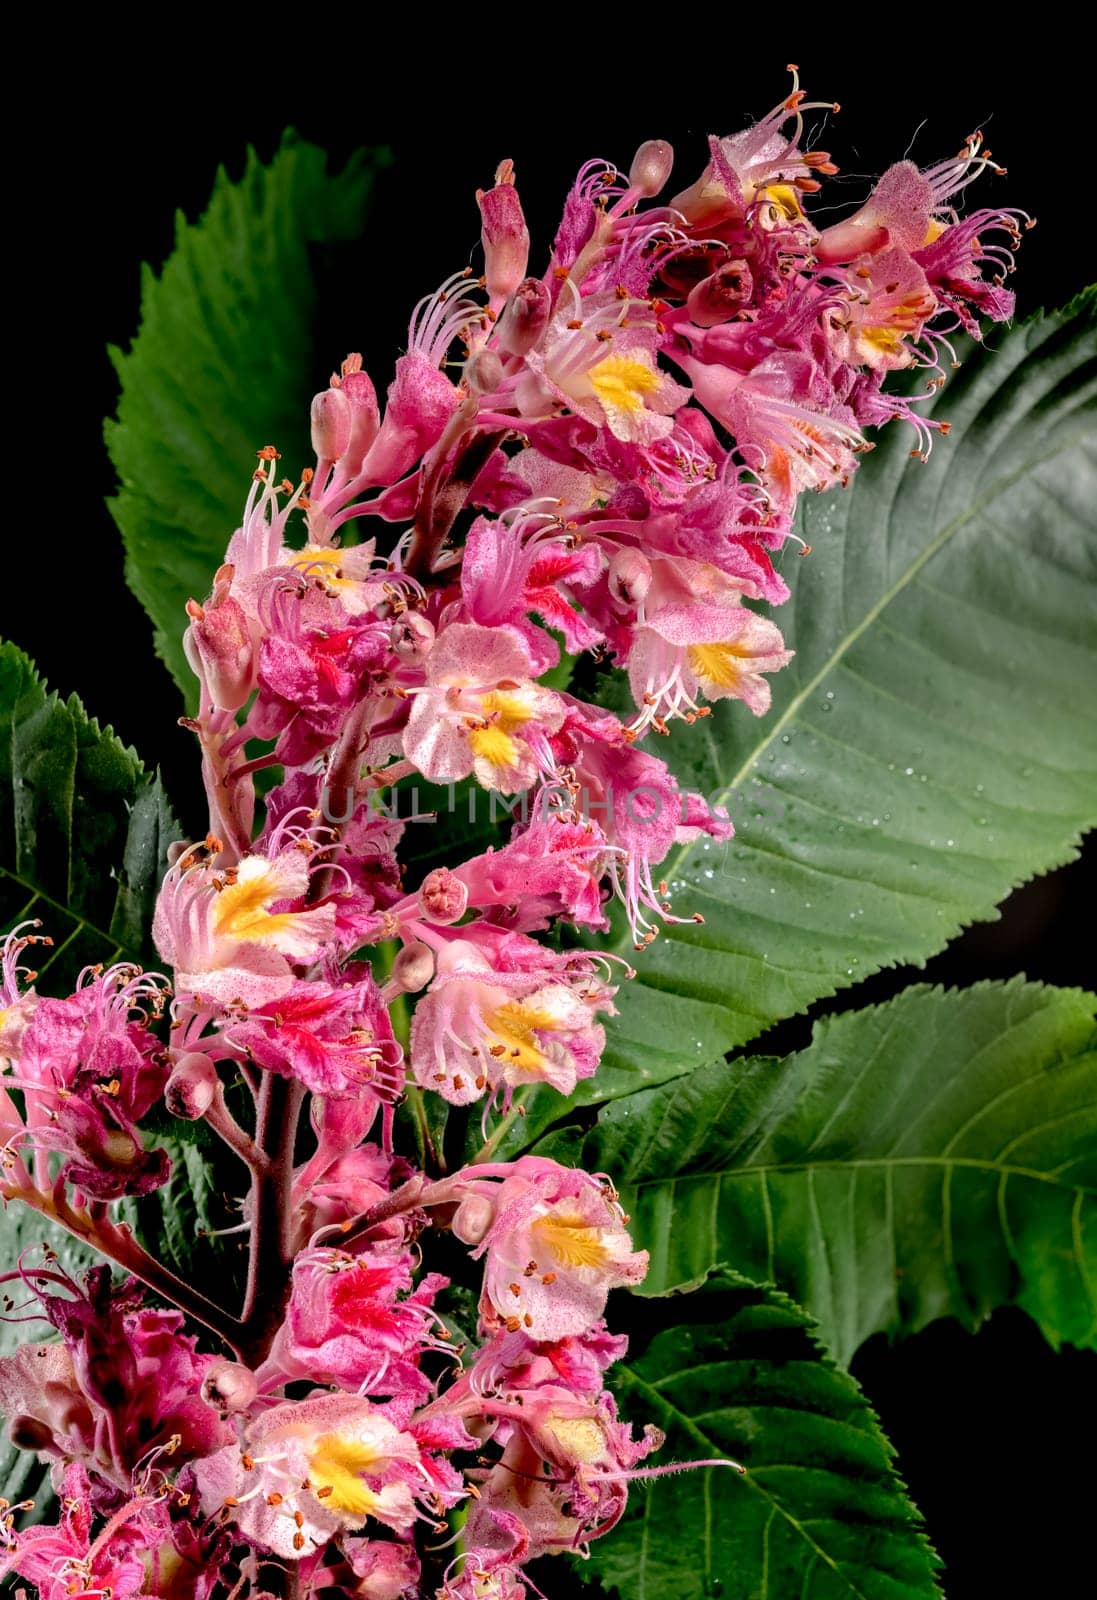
629,576
524,318
443,898
331,419
189,1091
385,1570
484,371
717,298
229,1386
421,401
504,236
412,636
472,1219
413,967
218,644
365,418
651,167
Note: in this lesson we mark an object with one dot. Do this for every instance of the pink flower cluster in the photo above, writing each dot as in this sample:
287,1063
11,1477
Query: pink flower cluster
606,458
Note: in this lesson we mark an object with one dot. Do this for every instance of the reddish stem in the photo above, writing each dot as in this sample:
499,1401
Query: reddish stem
416,1192
270,1256
439,504
115,1241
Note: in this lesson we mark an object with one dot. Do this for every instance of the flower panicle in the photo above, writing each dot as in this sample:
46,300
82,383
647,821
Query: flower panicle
602,458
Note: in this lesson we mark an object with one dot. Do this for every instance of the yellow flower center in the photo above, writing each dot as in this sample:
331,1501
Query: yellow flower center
716,664
507,707
887,340
494,745
513,1025
621,382
335,1467
570,1239
241,910
509,711
320,560
783,197
581,1437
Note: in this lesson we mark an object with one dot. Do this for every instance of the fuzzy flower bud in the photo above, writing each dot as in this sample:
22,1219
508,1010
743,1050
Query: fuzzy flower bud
443,897
717,298
505,237
472,1219
365,417
189,1091
331,423
629,576
484,371
525,317
412,636
413,967
229,1386
421,401
651,166
218,644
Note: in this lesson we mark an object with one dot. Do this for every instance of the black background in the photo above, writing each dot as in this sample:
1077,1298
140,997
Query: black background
989,1429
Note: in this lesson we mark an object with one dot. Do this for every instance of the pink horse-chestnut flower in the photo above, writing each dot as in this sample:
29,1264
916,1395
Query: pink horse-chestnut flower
309,1469
232,934
480,1028
481,711
558,1244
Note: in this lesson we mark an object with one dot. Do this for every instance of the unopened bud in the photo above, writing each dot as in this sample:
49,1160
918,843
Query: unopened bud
524,318
218,644
651,166
504,236
413,968
472,1219
365,418
421,400
229,1386
484,371
189,1091
412,636
629,576
717,298
331,421
443,898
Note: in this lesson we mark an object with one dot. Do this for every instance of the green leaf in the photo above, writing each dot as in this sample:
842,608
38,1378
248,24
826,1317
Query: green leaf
931,745
84,829
22,1475
935,1156
24,1229
222,364
820,1514
174,1222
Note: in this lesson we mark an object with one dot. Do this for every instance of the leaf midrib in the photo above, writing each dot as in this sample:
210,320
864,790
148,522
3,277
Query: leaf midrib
673,863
